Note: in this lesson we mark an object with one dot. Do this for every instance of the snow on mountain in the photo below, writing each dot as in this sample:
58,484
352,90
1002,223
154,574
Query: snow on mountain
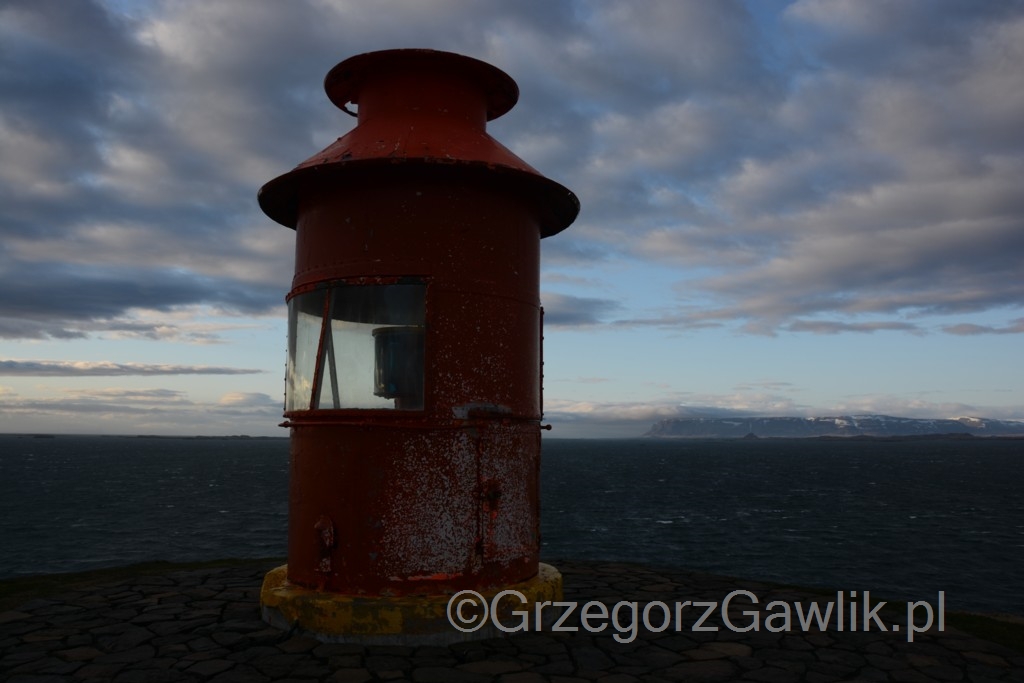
836,425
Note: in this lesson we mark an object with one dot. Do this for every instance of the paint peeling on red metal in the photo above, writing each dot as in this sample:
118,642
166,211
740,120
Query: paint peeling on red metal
394,502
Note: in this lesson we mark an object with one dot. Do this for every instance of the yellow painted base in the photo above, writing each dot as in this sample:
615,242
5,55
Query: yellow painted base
406,620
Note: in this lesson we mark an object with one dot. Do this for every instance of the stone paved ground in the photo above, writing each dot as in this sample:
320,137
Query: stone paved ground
204,625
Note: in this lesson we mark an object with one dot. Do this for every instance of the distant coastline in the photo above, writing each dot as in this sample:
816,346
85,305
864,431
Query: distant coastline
876,427
234,437
907,437
843,427
228,437
859,437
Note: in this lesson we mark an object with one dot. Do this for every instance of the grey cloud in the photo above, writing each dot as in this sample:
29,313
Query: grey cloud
644,52
142,140
679,321
772,385
862,189
835,327
66,301
874,168
563,310
80,407
47,368
89,146
60,68
144,395
60,62
59,328
564,249
911,260
906,38
967,329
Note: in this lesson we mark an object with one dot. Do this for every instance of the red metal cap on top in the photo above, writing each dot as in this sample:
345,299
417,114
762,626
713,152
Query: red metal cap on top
421,107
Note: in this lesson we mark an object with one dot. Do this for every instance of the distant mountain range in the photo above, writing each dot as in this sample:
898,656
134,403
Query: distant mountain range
842,425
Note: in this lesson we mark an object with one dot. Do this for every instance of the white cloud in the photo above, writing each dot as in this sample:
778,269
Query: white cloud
248,399
884,404
53,368
137,411
593,419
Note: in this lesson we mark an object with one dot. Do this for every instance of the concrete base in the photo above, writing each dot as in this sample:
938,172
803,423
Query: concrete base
406,620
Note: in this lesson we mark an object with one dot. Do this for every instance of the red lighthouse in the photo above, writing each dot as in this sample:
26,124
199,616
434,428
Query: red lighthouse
413,389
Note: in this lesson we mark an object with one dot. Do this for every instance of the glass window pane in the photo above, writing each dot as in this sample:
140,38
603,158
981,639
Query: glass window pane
372,351
305,313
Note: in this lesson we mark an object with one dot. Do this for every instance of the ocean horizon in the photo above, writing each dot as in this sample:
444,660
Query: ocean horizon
902,518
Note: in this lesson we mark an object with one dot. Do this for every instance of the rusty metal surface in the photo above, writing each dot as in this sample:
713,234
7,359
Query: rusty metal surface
395,502
413,510
425,108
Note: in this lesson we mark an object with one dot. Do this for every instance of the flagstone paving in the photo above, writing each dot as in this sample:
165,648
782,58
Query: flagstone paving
204,625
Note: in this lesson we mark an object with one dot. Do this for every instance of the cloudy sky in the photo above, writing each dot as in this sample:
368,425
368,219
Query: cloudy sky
789,208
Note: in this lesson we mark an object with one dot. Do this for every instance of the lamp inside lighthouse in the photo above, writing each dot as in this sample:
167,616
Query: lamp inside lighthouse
353,345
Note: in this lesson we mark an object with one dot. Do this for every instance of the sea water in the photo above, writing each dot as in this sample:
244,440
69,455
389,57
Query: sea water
903,519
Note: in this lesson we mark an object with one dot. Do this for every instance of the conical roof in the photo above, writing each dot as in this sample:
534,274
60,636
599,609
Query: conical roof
424,109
